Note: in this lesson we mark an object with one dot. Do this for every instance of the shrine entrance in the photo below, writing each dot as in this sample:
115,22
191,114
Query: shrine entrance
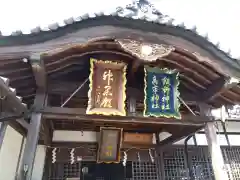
92,171
105,95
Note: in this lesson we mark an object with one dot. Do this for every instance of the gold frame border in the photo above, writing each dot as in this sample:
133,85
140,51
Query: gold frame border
120,145
124,82
177,115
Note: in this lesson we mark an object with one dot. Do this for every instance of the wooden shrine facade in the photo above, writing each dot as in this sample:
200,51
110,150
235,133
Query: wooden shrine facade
93,74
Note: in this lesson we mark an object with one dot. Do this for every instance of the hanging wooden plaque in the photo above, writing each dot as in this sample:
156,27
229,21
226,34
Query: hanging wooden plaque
138,138
107,91
161,93
109,145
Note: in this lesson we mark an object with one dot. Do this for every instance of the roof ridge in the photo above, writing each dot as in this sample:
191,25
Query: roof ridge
139,9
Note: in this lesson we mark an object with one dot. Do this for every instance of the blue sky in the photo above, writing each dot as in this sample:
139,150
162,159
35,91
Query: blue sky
218,18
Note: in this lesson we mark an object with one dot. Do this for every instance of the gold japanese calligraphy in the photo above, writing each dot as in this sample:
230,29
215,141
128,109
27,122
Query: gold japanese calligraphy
107,92
109,145
166,93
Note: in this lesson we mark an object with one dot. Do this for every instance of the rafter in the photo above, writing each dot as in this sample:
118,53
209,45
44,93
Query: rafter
12,100
216,88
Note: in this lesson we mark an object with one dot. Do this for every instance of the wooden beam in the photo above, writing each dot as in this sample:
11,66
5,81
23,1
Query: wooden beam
213,90
215,152
135,65
217,87
47,132
3,127
14,102
23,123
8,116
40,76
39,71
66,88
213,146
29,153
178,135
20,129
132,106
59,113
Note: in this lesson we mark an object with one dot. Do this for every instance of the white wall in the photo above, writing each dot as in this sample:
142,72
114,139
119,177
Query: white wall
74,136
78,136
39,163
89,136
9,154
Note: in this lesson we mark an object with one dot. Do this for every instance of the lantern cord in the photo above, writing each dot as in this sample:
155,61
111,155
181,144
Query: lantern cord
80,87
182,101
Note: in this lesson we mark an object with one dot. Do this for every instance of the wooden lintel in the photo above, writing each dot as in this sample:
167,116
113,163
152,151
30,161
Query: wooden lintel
39,72
79,114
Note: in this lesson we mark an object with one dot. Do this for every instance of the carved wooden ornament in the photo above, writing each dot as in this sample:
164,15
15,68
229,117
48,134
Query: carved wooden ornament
135,48
107,91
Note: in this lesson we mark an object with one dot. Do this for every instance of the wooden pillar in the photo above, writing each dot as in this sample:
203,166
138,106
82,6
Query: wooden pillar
3,127
213,146
215,152
132,106
26,167
159,158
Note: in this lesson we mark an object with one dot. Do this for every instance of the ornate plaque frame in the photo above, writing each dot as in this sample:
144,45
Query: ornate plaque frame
120,90
101,144
173,101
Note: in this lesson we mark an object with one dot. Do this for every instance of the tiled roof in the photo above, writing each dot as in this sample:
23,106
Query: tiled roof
143,11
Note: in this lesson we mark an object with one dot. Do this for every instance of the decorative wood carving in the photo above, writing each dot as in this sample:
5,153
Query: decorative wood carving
109,145
135,48
234,112
107,91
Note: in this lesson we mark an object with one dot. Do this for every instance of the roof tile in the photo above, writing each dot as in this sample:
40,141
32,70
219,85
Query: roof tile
143,11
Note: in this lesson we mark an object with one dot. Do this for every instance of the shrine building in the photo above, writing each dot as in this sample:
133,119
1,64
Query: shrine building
118,96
